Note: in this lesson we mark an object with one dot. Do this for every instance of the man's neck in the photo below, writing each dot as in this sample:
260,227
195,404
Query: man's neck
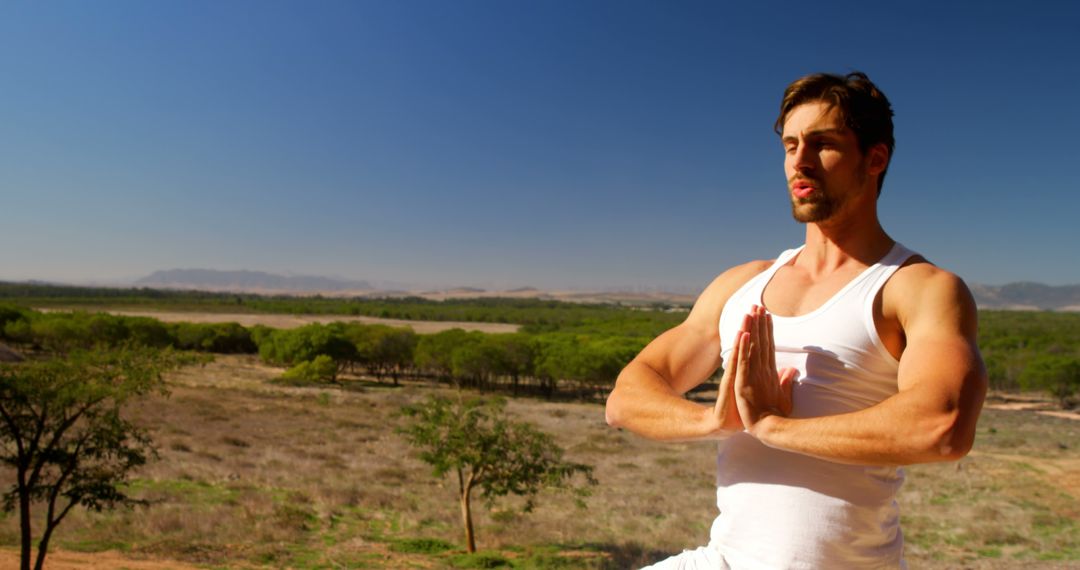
835,244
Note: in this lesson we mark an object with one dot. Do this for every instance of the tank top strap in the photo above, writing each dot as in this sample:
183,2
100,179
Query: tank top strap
750,292
885,268
783,259
880,274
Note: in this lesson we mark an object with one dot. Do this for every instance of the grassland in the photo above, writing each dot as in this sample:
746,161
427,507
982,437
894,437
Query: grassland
254,474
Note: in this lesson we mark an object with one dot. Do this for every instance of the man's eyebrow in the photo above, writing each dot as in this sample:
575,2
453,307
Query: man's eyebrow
816,133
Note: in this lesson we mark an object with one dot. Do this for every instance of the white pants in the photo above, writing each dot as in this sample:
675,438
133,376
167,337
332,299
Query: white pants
703,558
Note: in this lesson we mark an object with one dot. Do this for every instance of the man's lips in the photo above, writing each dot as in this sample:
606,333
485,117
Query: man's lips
802,189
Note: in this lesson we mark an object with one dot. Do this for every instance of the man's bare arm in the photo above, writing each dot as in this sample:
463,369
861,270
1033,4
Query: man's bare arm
648,395
941,383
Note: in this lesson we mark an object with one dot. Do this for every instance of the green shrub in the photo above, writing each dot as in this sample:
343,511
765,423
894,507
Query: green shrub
320,369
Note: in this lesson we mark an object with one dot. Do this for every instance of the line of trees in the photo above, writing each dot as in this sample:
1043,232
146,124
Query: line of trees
545,363
63,331
535,314
1024,351
1032,351
581,360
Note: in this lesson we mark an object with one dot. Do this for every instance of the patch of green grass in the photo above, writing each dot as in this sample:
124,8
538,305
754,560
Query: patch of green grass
95,545
549,561
305,557
296,516
1027,467
382,524
433,524
505,516
1000,537
480,560
421,545
940,499
181,490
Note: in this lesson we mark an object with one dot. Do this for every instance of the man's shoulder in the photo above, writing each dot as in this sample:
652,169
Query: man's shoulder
731,280
918,274
710,303
920,287
746,271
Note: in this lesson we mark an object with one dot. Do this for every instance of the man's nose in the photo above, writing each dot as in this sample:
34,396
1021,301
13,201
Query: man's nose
803,158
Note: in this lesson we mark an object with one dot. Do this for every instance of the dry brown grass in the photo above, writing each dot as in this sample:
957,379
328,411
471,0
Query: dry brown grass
255,474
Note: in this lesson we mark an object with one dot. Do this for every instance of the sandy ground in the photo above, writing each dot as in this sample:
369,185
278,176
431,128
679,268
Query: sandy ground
1040,408
292,321
63,560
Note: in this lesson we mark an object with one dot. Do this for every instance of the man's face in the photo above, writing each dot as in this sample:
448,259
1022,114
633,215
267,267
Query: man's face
824,167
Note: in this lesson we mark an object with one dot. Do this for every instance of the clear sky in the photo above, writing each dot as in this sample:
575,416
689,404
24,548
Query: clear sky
554,143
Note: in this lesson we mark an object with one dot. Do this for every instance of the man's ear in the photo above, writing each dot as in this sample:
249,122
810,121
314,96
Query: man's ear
877,158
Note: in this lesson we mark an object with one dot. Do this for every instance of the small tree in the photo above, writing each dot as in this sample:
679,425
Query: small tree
322,368
62,432
476,439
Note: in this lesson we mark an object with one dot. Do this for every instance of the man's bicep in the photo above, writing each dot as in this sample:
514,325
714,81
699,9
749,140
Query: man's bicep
940,326
685,356
941,369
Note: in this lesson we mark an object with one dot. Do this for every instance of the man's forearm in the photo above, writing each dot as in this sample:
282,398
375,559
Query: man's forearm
646,405
898,431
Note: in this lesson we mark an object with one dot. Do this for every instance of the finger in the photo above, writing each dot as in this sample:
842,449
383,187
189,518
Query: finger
745,345
745,327
760,358
753,323
726,409
744,406
787,376
771,342
728,378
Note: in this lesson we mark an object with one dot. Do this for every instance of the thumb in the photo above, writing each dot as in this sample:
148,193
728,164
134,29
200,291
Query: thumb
788,376
726,388
787,383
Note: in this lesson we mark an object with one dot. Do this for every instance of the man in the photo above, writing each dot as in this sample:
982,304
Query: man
843,359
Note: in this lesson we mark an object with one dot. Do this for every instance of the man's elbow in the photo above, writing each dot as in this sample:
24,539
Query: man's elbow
959,437
614,410
611,414
954,448
951,439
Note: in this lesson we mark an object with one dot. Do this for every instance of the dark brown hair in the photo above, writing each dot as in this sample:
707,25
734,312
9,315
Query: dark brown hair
863,107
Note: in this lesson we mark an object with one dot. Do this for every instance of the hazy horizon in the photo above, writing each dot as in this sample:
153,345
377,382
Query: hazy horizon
381,285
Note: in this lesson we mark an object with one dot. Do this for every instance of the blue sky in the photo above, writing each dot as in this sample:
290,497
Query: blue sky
558,144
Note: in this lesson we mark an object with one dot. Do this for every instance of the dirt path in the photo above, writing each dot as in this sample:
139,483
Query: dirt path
63,560
291,321
1041,408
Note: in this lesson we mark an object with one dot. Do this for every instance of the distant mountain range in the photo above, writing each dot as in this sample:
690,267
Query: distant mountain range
1027,295
1017,296
254,281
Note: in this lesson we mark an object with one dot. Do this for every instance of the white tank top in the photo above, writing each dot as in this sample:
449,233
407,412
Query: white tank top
783,510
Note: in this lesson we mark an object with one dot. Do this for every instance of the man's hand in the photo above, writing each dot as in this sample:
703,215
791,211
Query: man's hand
760,390
726,410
